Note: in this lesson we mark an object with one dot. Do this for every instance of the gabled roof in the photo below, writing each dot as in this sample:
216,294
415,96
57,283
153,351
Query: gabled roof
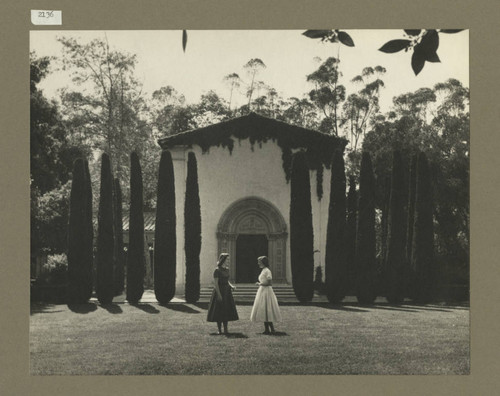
255,127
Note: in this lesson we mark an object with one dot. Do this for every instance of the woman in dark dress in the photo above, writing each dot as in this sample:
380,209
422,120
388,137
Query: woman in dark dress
221,308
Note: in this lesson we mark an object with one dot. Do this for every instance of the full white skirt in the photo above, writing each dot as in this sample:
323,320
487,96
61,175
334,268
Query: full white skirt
265,307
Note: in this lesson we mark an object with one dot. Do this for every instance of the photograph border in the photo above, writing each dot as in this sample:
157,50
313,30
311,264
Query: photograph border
479,17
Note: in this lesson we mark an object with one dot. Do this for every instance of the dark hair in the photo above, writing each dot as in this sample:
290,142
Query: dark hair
264,260
222,258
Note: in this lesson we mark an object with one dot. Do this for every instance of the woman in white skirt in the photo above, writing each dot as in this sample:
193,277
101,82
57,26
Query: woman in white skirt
265,307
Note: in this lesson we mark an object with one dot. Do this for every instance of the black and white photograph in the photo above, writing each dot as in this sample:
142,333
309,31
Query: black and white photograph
249,202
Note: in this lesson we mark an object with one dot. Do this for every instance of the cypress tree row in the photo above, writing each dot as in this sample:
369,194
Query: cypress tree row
165,254
192,231
350,233
423,234
135,260
411,206
365,234
89,236
77,232
335,256
301,229
396,255
105,236
119,267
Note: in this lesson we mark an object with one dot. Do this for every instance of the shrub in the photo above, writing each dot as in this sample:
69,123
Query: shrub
365,238
192,231
55,270
105,236
335,257
301,229
135,259
165,254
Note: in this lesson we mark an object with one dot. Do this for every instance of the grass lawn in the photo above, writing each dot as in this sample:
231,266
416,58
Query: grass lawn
315,339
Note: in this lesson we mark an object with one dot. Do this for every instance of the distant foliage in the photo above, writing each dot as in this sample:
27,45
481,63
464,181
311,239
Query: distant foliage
301,229
135,258
192,231
335,257
165,255
105,235
423,235
396,263
365,238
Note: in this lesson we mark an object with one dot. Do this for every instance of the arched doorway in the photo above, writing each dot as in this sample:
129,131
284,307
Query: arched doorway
249,228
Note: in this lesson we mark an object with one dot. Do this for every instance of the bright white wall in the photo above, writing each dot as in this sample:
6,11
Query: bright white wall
224,178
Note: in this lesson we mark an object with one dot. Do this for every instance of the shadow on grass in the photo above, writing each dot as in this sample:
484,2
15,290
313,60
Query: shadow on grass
180,308
148,308
278,334
390,307
82,308
425,307
39,307
235,335
338,307
201,305
112,308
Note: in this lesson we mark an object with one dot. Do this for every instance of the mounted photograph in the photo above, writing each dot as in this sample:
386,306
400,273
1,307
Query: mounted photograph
249,202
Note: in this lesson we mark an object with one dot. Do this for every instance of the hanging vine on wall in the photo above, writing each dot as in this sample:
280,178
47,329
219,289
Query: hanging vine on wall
258,129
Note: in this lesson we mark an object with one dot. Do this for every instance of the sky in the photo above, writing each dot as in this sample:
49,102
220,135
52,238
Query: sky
289,56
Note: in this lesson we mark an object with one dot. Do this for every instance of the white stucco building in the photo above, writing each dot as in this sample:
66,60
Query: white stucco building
245,194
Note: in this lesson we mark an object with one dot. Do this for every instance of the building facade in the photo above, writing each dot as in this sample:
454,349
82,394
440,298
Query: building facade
244,193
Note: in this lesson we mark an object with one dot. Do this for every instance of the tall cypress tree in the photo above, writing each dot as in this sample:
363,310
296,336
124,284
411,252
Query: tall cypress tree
410,224
165,254
365,237
301,229
335,257
76,234
192,231
89,235
135,260
396,260
423,234
119,267
105,237
350,234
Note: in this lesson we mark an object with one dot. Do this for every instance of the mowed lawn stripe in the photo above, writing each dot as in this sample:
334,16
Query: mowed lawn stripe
313,339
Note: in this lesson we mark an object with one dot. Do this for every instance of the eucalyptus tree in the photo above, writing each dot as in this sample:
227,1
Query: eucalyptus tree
234,82
328,93
253,67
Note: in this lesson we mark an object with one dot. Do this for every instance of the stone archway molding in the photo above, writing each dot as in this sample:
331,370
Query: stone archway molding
254,215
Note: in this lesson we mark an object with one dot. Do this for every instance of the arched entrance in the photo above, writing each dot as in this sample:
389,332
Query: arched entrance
249,228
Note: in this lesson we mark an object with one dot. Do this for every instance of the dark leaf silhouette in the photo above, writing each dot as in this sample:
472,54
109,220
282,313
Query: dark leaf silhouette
417,60
346,39
394,46
412,32
184,40
451,30
429,46
314,34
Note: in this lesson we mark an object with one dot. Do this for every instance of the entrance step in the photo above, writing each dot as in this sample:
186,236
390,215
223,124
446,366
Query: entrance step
246,293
